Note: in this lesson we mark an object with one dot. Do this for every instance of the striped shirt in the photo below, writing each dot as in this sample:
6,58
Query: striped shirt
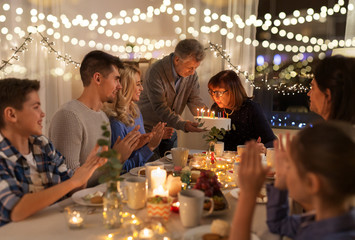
17,175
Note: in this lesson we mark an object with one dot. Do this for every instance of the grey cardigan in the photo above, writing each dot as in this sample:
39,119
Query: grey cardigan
159,101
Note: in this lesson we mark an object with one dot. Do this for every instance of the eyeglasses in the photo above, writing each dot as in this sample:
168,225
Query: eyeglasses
216,93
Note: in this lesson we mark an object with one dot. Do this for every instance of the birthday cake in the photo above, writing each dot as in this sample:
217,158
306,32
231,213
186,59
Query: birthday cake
209,122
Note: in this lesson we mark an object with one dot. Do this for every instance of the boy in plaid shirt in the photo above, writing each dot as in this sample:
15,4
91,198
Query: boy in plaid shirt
32,172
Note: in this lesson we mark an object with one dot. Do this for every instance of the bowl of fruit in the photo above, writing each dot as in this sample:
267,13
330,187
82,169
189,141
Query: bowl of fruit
208,183
159,206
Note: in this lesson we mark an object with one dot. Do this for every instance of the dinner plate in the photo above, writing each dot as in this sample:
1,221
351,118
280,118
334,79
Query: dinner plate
78,197
222,211
169,157
235,193
197,233
134,171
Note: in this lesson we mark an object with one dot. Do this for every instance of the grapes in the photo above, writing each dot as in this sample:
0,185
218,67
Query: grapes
208,183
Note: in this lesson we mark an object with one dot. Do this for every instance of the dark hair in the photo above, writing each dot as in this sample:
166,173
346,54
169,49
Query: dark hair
328,150
337,74
231,81
13,93
98,61
190,48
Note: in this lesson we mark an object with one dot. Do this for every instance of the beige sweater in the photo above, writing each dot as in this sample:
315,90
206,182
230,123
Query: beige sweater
74,131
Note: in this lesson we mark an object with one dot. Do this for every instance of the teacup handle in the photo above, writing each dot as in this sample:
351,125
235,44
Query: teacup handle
125,194
205,214
166,153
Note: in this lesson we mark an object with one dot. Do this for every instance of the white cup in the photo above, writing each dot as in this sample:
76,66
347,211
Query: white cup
135,190
191,207
180,156
270,158
241,149
148,170
219,149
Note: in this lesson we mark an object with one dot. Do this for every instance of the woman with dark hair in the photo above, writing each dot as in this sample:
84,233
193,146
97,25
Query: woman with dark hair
332,93
247,116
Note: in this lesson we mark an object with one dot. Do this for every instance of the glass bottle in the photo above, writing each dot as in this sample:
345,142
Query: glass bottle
112,206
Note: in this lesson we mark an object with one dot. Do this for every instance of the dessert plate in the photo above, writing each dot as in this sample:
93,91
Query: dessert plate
197,233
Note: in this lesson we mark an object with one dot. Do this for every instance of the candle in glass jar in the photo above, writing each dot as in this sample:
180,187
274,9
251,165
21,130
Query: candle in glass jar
158,177
146,233
175,206
75,221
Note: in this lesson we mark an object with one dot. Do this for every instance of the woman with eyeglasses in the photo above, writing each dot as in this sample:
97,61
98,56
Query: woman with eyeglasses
246,115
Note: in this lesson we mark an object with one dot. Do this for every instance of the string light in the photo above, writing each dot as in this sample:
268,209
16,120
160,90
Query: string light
46,43
64,58
277,84
28,39
251,20
218,51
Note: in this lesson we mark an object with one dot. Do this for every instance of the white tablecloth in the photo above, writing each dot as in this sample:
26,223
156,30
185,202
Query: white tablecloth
50,223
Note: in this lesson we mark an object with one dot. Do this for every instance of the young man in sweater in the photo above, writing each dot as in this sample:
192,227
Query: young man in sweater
32,172
76,126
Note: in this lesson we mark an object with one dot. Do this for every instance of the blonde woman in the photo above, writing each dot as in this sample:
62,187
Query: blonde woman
124,116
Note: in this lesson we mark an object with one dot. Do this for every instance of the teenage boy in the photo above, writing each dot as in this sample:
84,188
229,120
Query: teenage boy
76,126
32,172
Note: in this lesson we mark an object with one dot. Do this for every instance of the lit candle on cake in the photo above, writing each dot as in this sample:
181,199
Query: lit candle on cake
198,112
213,114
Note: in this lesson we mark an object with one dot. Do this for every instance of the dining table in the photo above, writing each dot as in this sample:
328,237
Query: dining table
50,223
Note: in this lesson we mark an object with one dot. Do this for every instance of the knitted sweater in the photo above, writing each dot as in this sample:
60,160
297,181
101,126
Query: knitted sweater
74,131
159,101
250,123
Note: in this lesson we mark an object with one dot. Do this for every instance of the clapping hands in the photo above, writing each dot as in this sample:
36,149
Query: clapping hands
158,133
168,132
126,146
83,173
251,173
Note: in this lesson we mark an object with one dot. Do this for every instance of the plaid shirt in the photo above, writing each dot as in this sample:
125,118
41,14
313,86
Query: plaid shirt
15,173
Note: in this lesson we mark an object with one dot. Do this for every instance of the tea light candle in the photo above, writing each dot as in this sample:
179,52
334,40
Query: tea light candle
158,177
146,233
75,221
175,206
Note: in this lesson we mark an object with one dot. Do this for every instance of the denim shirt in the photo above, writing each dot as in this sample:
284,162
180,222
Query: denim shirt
304,227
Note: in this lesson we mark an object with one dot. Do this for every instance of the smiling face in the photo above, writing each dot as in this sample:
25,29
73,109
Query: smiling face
109,85
138,87
30,117
185,67
221,96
